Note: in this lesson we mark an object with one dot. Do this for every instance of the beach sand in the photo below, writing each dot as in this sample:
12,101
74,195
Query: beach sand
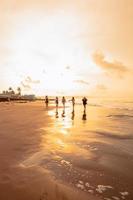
45,155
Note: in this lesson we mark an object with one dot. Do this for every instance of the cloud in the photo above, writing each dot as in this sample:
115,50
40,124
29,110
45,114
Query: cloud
68,67
101,87
60,92
81,82
44,71
113,67
25,86
100,90
61,74
28,82
28,79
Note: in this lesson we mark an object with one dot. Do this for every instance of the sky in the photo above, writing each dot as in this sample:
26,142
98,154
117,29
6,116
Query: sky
67,47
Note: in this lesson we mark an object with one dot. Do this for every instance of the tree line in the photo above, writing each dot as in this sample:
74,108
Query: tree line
11,91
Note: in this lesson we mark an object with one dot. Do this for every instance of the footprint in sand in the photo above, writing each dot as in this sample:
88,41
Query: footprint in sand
44,196
5,179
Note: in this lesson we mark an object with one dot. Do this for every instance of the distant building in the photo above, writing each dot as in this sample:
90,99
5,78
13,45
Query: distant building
29,97
4,97
8,97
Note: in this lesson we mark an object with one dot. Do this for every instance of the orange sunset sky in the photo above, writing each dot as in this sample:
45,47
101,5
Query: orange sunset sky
80,47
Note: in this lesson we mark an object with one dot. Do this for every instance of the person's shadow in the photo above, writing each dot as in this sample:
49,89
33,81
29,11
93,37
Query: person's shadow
84,117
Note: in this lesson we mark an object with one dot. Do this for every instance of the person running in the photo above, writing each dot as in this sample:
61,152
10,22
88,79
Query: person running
56,101
63,101
84,100
46,100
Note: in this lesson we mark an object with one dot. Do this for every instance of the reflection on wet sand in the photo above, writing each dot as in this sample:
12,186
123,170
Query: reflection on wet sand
63,113
85,157
84,117
73,115
95,157
56,113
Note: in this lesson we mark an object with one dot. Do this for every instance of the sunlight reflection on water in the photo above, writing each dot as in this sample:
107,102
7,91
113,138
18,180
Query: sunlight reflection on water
78,145
63,135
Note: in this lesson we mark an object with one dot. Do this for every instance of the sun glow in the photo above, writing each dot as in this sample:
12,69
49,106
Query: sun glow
49,49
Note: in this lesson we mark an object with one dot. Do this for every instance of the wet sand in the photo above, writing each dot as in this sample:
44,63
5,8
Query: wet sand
47,155
22,126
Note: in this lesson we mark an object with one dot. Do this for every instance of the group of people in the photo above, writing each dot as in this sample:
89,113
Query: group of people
63,100
84,101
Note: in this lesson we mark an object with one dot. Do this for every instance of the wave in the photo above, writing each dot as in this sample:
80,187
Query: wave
114,135
120,116
110,105
96,105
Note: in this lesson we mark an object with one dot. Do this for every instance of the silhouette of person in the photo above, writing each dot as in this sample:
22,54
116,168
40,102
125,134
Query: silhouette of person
46,101
84,116
63,101
84,100
73,102
56,101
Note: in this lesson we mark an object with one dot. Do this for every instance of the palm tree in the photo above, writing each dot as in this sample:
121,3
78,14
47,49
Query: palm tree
19,91
4,92
10,90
